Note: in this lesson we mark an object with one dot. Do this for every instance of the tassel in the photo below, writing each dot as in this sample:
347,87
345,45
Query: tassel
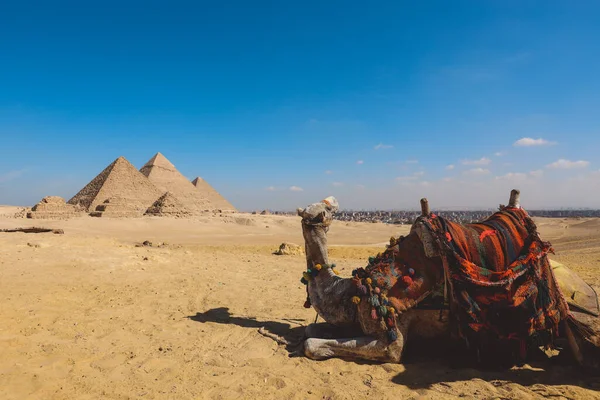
356,300
407,280
377,290
304,281
389,322
318,267
383,310
373,313
307,303
374,301
392,335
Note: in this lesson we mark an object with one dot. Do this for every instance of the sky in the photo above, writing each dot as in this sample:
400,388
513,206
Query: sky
280,104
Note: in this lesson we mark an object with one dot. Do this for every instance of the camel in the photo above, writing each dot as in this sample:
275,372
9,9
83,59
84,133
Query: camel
361,323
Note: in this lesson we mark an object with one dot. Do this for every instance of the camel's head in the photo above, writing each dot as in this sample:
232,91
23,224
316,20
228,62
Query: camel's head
316,219
319,214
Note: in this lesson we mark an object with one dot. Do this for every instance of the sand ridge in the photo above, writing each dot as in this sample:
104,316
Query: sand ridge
89,314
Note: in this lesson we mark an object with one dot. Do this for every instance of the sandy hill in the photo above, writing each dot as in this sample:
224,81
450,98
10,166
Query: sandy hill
120,180
212,195
163,174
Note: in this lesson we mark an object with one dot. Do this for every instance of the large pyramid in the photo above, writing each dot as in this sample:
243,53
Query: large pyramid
165,176
120,180
212,195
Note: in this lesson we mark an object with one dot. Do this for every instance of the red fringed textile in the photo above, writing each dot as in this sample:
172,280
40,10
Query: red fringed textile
501,281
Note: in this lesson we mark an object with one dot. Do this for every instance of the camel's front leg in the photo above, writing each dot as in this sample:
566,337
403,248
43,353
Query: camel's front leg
325,330
362,347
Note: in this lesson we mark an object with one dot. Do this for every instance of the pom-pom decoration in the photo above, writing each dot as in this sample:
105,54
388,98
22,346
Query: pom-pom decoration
356,300
407,280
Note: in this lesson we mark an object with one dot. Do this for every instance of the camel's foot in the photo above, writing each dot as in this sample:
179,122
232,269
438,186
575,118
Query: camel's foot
364,347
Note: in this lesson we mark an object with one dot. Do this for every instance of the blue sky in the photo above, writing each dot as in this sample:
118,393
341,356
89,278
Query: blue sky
278,104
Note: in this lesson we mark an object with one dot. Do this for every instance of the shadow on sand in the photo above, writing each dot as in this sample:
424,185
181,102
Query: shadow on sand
429,362
432,362
293,335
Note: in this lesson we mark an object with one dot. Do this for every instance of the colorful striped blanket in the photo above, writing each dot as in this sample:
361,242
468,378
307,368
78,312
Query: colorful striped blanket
499,276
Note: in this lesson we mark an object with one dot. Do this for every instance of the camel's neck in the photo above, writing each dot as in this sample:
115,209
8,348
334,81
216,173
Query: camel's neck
329,294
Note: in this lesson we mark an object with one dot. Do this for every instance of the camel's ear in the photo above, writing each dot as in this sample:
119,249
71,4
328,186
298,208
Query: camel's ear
300,211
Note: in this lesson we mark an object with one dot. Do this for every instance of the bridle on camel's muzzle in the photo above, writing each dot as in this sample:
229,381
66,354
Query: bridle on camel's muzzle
317,222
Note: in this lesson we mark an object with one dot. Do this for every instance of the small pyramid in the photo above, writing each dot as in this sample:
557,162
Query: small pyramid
53,207
120,180
168,205
163,174
212,195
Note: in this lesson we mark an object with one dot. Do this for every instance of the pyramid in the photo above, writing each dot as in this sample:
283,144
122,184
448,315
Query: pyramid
165,176
168,205
120,187
53,207
212,195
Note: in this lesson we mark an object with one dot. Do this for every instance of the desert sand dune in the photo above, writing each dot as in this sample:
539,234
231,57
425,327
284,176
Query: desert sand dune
90,315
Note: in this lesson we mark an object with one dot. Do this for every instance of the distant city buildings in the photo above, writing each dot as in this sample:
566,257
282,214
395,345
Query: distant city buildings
465,217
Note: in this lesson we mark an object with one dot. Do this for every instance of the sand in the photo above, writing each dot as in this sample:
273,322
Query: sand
88,315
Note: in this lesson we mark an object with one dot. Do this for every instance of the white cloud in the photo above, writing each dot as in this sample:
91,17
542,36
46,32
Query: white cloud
513,176
296,189
382,146
360,187
566,164
412,161
329,172
360,162
450,167
537,173
477,171
498,154
11,175
271,189
412,177
337,184
481,161
528,142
